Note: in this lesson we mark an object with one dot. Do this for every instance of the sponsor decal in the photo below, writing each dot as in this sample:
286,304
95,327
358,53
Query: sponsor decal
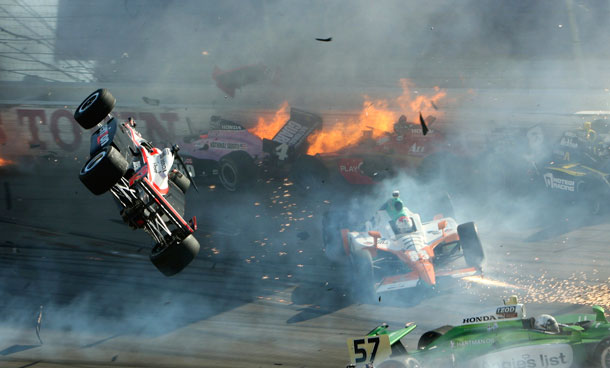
479,319
139,175
231,127
160,167
291,133
102,138
507,311
416,149
558,183
351,168
533,356
466,343
228,145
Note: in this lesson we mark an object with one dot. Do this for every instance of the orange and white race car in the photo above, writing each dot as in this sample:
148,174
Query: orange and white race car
407,253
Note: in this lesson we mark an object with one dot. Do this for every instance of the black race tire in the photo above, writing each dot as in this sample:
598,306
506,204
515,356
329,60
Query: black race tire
402,362
174,258
181,181
309,174
103,170
236,171
601,355
94,108
430,336
363,276
331,236
471,245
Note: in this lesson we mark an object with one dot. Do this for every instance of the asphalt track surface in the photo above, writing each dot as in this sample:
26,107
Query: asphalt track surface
261,292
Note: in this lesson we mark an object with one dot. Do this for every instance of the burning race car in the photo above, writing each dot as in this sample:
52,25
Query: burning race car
498,337
140,178
397,250
580,167
237,157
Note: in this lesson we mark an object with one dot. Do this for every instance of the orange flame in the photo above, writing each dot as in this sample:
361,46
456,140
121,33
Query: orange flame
264,129
5,162
377,117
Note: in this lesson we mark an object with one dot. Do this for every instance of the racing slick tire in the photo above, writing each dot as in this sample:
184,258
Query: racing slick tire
601,355
363,276
429,337
406,362
181,181
331,236
174,258
103,170
94,108
471,245
236,171
308,173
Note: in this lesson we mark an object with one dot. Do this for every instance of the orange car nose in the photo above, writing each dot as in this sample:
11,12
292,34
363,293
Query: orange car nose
426,273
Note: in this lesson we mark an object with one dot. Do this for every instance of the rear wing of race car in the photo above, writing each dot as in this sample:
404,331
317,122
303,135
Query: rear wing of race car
291,139
379,344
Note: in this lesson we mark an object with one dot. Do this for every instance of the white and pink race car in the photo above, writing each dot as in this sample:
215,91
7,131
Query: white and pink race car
140,177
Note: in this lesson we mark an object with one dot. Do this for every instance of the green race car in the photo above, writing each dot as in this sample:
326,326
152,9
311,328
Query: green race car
497,338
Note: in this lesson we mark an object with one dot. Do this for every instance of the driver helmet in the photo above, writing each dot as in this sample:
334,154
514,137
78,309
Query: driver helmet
404,224
401,126
396,202
545,322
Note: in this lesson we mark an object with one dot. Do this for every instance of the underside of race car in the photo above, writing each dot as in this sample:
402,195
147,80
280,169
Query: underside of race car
150,194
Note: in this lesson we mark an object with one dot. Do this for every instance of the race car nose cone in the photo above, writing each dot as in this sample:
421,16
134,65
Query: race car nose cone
425,269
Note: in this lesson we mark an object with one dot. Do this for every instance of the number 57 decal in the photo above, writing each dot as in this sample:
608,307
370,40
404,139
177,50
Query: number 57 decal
364,350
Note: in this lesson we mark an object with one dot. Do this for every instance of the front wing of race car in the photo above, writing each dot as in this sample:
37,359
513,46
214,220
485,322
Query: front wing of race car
412,279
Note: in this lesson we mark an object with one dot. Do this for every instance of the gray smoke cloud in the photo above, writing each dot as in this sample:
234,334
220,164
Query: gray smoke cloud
514,64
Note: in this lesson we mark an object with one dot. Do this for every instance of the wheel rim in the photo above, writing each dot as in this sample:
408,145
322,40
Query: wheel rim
605,358
94,161
228,177
88,102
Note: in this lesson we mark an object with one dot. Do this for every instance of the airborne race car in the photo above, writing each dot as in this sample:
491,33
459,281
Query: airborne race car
385,257
237,157
140,178
496,338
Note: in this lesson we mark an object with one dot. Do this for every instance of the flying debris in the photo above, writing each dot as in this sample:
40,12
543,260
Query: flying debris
434,105
39,324
151,101
424,128
324,39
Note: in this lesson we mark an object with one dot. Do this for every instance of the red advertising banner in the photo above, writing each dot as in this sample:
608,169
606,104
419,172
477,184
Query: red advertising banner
33,131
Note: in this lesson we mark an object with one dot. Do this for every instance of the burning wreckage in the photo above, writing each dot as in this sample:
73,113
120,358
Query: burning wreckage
237,157
140,177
